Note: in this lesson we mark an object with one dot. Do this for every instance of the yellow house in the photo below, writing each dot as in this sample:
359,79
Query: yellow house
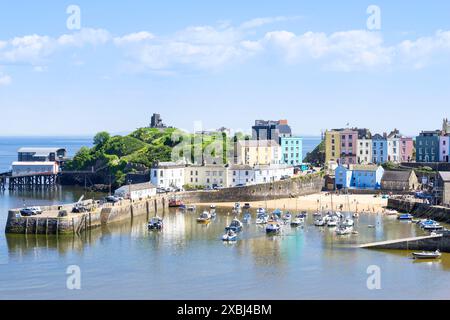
209,175
332,146
258,152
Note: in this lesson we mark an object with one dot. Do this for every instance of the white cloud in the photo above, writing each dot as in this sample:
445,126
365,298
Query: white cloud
5,79
85,36
259,22
134,38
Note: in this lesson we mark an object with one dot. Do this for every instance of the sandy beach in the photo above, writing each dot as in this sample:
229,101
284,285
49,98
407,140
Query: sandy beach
357,203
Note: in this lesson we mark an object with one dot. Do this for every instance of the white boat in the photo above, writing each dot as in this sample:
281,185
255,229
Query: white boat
156,223
338,214
348,223
333,222
230,236
356,215
237,208
261,210
320,222
235,226
317,214
213,207
204,218
427,255
298,221
273,227
287,218
191,208
262,218
343,230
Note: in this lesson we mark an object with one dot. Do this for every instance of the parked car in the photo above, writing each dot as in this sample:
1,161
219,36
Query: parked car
112,199
285,177
26,212
37,210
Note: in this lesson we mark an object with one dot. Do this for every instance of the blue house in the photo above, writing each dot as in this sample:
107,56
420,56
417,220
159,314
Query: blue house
358,177
379,149
427,146
292,150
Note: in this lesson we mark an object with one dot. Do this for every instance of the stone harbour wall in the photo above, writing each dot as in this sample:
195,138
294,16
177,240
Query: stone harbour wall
421,210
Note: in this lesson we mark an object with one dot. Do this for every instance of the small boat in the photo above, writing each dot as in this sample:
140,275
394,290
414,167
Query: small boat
247,217
356,215
229,236
182,207
317,214
191,208
348,222
427,255
371,226
338,214
298,221
320,222
273,227
204,218
287,218
277,212
261,210
212,207
262,218
175,203
431,225
391,212
247,206
333,222
213,214
405,216
156,223
235,226
237,208
343,230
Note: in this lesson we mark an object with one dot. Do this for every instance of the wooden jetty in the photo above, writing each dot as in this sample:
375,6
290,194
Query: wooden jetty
35,180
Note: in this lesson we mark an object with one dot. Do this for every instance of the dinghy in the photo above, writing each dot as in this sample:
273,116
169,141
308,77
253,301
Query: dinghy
230,236
427,255
156,223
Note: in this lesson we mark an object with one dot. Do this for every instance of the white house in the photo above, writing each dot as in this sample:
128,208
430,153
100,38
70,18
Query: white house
272,173
34,168
168,174
136,191
241,175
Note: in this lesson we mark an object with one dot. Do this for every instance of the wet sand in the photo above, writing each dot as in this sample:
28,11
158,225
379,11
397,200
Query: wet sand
315,202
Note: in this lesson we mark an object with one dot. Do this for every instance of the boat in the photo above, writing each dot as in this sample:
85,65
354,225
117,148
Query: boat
261,210
277,212
156,223
391,212
247,206
247,217
205,218
191,208
333,222
262,218
287,218
344,230
229,236
182,207
427,255
348,222
212,207
273,227
175,203
356,215
338,214
235,226
298,221
320,222
430,225
237,208
405,216
213,214
317,214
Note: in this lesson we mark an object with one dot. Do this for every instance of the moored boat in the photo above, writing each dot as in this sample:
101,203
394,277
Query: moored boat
391,212
235,226
348,222
262,218
298,221
156,223
427,255
344,230
229,236
204,218
247,217
320,222
333,222
405,216
273,227
175,203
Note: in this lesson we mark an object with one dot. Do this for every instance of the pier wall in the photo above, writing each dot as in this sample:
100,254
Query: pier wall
49,223
421,210
269,191
429,243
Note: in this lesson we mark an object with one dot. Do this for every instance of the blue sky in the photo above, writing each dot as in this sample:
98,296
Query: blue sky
223,63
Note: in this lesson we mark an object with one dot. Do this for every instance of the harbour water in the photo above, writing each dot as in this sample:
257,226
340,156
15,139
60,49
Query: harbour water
189,261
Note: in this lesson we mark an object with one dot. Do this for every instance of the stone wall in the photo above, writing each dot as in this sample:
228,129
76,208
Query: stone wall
79,222
421,210
260,192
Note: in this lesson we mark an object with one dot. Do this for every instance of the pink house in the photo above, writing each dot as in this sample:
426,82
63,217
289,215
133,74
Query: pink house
349,140
406,149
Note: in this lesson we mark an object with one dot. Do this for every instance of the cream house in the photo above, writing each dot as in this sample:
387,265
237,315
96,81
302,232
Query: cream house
209,175
168,174
258,152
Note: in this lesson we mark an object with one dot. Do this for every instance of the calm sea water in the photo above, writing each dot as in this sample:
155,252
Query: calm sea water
188,261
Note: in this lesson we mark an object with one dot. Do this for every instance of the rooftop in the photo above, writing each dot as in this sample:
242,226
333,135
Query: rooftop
445,175
138,186
40,151
397,175
362,167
